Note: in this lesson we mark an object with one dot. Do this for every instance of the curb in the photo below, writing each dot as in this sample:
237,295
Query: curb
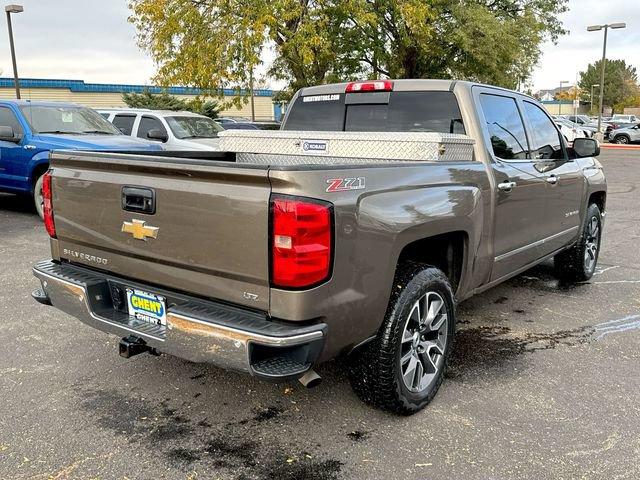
621,147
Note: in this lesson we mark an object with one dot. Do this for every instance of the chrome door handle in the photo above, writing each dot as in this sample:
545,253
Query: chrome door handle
552,179
506,186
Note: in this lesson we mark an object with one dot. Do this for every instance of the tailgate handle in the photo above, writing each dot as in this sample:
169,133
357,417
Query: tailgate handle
138,199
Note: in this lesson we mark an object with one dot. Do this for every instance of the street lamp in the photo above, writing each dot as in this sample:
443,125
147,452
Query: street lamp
560,100
591,97
596,28
13,9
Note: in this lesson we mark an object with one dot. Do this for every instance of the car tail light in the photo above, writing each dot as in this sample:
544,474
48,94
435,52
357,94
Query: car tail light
370,86
301,242
48,205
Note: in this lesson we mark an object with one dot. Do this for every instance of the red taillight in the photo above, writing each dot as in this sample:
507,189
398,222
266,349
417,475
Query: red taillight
301,242
48,206
370,86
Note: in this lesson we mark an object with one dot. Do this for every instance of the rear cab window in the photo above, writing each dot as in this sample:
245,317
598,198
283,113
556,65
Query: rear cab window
395,111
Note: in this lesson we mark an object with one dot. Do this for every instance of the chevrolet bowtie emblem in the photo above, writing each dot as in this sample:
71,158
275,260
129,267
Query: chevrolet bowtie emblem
139,230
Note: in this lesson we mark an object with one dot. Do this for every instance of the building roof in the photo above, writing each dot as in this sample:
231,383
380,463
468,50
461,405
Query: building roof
81,86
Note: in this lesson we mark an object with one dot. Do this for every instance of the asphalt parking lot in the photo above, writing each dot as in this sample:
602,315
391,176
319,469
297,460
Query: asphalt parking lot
544,383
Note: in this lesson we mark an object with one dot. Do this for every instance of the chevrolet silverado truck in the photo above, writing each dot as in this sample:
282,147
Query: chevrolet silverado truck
352,232
30,130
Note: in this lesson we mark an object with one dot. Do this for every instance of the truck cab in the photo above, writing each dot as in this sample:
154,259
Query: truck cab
175,130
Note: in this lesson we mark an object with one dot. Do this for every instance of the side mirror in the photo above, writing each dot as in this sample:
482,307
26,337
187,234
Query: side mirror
586,147
157,134
7,135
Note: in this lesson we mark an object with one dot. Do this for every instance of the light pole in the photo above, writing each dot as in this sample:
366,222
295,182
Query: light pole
13,9
596,28
591,97
560,100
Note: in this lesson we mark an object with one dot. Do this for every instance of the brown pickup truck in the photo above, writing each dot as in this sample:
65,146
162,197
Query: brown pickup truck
352,232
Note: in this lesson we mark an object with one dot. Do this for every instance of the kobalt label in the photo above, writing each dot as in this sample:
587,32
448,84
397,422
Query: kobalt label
321,98
315,147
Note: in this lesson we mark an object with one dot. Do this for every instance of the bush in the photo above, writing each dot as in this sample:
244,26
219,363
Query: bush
164,101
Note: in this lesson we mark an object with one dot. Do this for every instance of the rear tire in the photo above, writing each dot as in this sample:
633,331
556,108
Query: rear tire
38,199
622,140
402,369
578,263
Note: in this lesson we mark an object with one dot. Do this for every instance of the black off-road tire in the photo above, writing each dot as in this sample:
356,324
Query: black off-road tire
375,370
571,265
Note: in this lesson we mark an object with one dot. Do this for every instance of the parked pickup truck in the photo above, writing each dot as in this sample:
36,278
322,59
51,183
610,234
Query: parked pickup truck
310,243
30,130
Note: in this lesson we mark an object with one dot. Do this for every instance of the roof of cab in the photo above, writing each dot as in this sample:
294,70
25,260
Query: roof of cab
162,113
406,85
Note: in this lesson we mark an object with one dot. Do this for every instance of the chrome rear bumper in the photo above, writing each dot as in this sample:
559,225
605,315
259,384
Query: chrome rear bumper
197,330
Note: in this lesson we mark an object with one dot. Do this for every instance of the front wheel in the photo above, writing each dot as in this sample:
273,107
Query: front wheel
403,367
622,140
38,198
579,262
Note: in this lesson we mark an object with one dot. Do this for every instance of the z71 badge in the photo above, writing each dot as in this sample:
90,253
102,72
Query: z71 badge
344,184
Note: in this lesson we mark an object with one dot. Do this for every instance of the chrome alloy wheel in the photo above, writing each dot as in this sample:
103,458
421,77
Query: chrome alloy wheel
592,244
424,340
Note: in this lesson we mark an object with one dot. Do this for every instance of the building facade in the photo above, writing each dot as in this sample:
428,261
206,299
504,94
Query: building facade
101,95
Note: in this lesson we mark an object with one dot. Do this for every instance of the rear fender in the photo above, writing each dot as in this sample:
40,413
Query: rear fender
416,214
40,161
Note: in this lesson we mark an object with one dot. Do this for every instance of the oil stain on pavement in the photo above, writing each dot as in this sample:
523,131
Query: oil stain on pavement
187,444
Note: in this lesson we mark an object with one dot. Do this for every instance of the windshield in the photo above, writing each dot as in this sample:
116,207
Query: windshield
67,119
427,111
193,127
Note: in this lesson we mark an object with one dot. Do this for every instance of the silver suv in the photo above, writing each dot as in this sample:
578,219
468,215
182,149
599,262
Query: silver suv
179,130
626,135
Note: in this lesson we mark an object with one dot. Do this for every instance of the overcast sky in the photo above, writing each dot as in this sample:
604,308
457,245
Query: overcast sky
91,40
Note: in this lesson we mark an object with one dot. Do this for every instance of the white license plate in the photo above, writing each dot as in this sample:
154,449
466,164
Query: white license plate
147,307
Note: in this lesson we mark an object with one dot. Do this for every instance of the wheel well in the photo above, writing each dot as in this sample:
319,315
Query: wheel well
600,199
445,252
39,170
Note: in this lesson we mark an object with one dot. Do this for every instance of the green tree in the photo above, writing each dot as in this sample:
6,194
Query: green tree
620,84
218,43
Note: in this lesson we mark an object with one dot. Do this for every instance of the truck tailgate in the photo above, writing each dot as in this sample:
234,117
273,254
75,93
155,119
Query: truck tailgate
211,223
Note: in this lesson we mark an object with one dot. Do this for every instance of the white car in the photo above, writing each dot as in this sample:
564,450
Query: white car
179,130
569,130
619,118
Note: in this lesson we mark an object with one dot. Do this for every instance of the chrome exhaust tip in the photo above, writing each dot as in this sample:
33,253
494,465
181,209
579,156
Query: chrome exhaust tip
310,379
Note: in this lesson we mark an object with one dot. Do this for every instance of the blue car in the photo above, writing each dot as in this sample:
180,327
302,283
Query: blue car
30,130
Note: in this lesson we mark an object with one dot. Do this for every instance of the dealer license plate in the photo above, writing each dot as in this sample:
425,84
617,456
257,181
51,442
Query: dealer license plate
147,307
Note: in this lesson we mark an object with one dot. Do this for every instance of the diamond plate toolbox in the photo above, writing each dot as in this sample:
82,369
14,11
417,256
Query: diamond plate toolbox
297,147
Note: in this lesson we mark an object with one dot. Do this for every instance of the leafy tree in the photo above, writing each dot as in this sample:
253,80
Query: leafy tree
218,43
620,84
568,94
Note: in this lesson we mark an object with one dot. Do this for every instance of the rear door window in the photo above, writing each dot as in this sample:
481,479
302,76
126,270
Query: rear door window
124,123
505,127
